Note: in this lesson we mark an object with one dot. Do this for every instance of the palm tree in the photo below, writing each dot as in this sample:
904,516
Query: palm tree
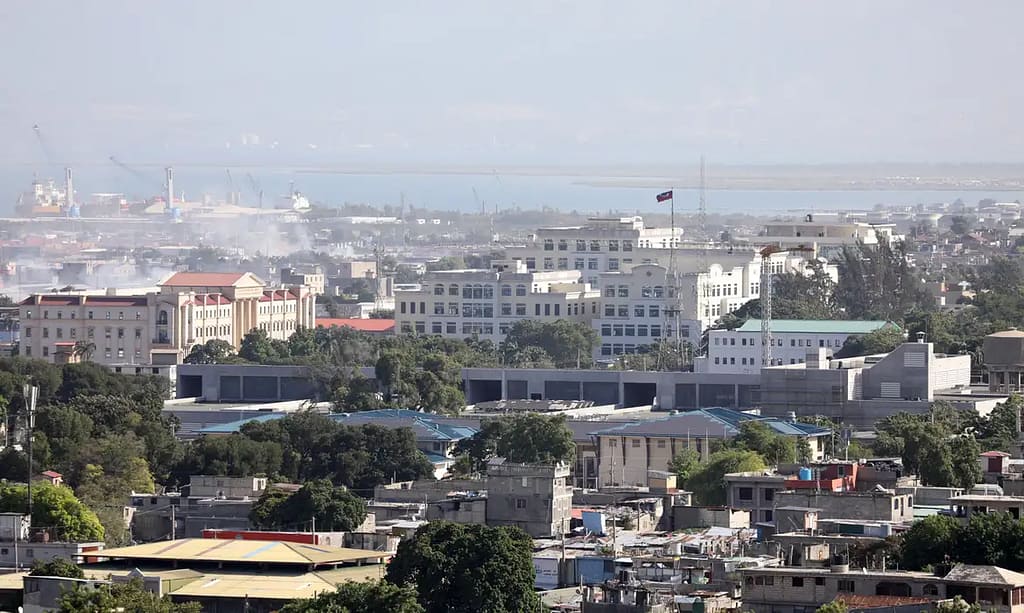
83,350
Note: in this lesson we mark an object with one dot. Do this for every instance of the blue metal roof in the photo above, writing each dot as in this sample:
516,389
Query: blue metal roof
715,421
426,426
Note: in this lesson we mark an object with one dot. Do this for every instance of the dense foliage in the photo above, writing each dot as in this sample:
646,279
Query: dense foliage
363,597
988,538
307,446
527,438
57,567
129,597
53,507
458,568
332,508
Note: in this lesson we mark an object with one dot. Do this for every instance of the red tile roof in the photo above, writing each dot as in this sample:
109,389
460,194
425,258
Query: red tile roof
210,299
278,294
57,300
870,601
364,325
203,279
50,473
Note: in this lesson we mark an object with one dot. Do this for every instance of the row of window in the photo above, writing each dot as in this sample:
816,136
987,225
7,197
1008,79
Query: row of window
73,332
88,315
630,330
486,310
274,326
793,342
107,352
622,310
277,307
582,244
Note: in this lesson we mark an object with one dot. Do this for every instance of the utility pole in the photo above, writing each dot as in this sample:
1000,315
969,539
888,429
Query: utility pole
31,394
173,524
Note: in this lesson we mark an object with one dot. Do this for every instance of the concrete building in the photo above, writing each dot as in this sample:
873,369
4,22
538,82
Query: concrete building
22,546
486,303
627,388
627,453
313,278
534,497
796,590
861,390
739,350
755,492
967,505
875,506
162,326
1004,361
826,238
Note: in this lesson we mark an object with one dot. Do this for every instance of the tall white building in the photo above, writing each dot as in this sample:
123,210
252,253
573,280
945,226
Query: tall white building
646,304
826,238
739,350
188,309
486,303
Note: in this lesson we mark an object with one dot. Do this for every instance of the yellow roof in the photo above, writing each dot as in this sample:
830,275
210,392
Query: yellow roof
276,587
225,550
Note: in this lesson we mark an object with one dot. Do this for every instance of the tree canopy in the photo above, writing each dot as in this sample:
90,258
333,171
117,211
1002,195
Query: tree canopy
333,508
524,438
131,596
468,568
361,597
53,507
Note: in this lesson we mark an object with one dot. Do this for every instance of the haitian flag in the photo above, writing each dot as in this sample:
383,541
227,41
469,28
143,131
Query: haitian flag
663,196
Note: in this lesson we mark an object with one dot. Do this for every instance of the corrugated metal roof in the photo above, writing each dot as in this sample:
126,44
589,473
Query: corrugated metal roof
240,551
275,587
816,326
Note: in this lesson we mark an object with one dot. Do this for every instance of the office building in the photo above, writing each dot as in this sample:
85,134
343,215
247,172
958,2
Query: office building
740,350
487,303
160,326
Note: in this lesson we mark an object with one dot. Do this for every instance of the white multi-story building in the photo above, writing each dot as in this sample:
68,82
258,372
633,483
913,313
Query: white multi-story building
740,350
486,303
188,309
826,238
647,304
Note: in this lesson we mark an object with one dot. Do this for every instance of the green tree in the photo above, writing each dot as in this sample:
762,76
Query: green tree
708,483
882,340
352,393
879,282
234,455
130,597
758,436
567,342
258,347
960,225
458,568
957,605
1000,431
685,464
215,351
333,508
56,507
529,438
57,567
364,597
836,606
963,453
929,541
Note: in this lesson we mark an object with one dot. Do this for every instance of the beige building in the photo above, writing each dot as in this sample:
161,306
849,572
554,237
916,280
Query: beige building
486,303
186,310
826,238
802,590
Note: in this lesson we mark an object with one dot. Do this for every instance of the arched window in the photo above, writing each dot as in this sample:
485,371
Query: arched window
161,318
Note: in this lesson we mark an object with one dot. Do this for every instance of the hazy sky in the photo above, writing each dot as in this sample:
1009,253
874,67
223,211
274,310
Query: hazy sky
522,81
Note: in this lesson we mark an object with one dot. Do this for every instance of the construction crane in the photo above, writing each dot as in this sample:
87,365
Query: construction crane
141,176
767,275
257,190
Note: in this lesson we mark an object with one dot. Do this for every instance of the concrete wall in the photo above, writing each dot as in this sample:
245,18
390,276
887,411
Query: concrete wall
706,517
597,385
850,505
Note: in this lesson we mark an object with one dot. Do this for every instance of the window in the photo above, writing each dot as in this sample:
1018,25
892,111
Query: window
746,493
595,245
636,443
506,290
592,263
439,290
28,332
661,443
520,309
46,351
627,245
46,314
623,310
653,311
623,291
108,314
120,333
581,245
520,503
563,245
639,310
549,245
769,494
506,308
91,332
798,581
60,314
60,332
520,290
453,289
613,263
46,333
609,310
845,585
819,581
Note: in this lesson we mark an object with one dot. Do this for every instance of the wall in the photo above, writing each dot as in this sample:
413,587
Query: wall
850,505
418,491
706,517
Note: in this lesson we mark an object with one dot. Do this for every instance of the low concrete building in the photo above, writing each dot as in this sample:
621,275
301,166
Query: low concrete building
534,497
969,505
797,590
755,492
878,505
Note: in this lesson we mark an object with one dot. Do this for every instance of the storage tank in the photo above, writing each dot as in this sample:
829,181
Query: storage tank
806,474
